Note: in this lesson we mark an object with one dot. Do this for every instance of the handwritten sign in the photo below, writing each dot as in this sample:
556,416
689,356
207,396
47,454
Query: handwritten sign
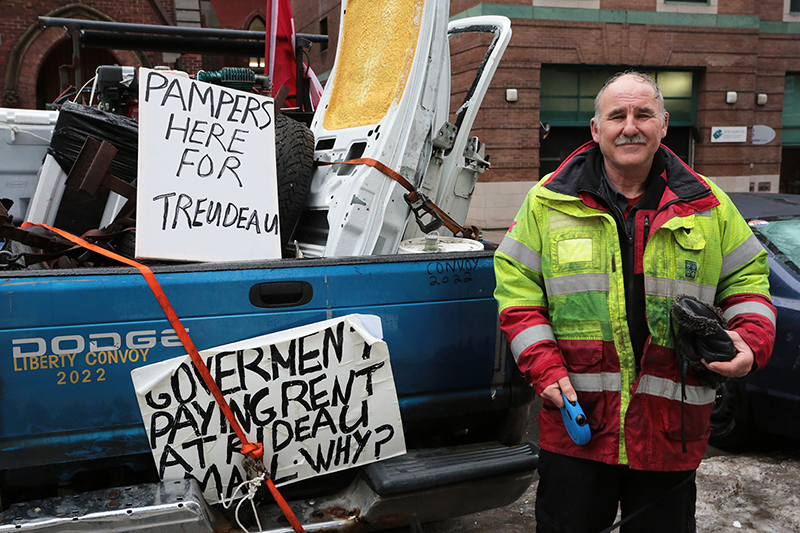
207,185
320,398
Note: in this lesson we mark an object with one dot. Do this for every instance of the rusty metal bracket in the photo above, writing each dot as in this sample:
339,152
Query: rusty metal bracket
422,206
51,243
91,171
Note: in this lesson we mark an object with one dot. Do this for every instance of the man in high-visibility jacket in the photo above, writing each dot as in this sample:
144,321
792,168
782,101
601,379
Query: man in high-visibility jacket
586,277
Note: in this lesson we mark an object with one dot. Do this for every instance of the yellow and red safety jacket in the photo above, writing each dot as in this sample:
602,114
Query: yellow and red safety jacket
561,295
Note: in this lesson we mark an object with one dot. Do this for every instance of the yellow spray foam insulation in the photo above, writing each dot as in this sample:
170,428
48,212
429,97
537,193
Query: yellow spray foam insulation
377,46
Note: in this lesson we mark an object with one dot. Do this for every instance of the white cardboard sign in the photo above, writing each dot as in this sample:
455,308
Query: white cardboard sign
207,185
320,398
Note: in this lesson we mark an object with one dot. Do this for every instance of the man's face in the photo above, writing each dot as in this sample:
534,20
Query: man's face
629,129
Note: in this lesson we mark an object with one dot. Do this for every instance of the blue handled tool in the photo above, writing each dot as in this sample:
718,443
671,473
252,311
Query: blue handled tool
575,421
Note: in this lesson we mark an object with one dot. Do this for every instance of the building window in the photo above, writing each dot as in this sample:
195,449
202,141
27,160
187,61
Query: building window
794,6
567,105
257,24
580,4
698,7
790,136
567,94
323,30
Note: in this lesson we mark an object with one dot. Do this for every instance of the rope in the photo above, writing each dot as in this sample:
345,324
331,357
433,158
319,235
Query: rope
252,489
254,450
16,129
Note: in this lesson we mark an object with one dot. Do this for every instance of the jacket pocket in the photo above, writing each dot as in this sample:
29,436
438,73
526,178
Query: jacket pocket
687,262
576,245
594,407
696,418
581,343
584,360
689,239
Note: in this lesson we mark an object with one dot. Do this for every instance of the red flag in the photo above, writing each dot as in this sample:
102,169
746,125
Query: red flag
280,45
281,63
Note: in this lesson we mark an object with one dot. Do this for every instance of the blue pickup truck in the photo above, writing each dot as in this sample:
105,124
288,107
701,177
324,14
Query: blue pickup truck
72,443
74,454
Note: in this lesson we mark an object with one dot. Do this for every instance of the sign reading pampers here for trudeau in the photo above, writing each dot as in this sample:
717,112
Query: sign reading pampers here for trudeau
207,185
320,398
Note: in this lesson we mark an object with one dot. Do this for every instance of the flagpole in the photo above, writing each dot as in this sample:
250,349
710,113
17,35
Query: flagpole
267,26
273,32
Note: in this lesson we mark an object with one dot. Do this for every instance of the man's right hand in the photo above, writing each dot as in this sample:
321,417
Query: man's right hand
552,392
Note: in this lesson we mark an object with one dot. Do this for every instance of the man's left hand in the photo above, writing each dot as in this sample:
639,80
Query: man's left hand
740,365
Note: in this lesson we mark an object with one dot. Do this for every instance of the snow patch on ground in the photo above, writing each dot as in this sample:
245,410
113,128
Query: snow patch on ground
761,493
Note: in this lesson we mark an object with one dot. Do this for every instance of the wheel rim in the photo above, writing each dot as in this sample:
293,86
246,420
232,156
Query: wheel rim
723,412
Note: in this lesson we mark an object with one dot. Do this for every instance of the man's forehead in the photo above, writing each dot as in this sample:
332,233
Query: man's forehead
629,92
637,107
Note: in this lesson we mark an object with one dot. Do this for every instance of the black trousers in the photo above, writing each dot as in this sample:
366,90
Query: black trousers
582,496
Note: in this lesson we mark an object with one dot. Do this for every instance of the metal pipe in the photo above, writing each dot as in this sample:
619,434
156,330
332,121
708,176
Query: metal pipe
165,30
167,43
76,63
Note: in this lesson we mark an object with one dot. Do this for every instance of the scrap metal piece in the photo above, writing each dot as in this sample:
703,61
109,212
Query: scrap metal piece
8,230
154,507
91,170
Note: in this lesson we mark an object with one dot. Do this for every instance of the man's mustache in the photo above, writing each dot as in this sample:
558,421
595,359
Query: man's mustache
639,138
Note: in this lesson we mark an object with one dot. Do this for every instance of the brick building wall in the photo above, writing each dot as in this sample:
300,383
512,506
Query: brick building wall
746,46
309,16
24,44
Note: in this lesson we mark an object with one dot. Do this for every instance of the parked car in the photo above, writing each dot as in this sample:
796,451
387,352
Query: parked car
768,400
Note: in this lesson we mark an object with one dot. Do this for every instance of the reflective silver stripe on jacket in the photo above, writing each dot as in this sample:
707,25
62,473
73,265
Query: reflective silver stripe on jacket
576,283
666,388
521,253
672,288
531,336
605,381
740,255
750,307
706,213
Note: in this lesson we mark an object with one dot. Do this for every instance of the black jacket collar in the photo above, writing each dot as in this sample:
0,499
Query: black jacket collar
582,171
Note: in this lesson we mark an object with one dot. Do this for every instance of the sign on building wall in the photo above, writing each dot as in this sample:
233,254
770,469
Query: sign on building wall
728,134
762,134
207,184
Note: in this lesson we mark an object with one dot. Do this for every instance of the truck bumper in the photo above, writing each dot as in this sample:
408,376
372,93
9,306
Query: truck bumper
427,485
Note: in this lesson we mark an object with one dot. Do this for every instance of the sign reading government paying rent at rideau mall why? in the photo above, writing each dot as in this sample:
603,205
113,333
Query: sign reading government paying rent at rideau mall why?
320,398
207,184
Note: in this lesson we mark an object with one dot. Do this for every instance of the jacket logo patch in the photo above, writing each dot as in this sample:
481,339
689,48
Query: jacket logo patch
691,269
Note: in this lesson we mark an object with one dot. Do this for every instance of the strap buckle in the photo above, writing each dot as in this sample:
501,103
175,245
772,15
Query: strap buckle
253,467
422,206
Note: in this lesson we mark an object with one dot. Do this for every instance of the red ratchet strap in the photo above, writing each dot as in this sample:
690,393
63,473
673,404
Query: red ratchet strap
413,195
254,450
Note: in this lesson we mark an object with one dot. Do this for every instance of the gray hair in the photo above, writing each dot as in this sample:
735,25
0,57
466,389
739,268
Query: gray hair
639,76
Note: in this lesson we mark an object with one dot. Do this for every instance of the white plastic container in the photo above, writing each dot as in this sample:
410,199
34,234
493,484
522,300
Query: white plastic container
24,138
432,243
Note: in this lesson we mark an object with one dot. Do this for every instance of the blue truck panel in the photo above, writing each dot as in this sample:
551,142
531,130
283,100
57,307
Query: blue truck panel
73,338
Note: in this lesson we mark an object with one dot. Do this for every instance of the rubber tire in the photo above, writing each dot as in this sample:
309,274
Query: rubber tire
294,157
125,244
732,424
